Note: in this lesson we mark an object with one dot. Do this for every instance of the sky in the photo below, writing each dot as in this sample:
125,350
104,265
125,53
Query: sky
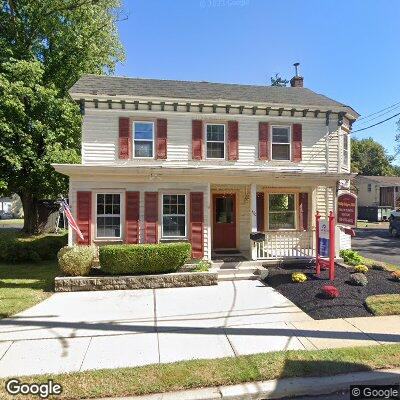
348,50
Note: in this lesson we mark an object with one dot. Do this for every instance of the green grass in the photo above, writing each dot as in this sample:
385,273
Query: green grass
17,221
389,267
225,371
384,304
24,285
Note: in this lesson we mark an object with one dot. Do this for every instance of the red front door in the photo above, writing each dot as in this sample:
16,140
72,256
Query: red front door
224,221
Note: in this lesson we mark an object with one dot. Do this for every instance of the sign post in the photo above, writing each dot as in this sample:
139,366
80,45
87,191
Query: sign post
325,235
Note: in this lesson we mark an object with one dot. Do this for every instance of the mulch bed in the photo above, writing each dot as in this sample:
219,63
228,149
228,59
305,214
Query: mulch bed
309,298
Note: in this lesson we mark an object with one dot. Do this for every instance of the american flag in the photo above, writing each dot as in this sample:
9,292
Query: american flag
71,219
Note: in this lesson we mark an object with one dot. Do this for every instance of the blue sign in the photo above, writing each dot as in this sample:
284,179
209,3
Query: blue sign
324,247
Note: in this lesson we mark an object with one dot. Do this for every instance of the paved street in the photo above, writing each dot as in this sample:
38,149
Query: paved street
377,244
90,330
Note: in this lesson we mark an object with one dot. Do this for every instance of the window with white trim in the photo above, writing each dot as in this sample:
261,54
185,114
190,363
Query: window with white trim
215,138
281,143
108,215
174,215
143,139
369,187
345,149
282,211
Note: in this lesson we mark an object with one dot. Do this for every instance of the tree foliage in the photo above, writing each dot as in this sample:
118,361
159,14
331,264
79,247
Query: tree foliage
278,81
45,46
368,157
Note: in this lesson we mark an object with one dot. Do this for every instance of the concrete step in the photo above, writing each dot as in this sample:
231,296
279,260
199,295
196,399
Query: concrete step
237,275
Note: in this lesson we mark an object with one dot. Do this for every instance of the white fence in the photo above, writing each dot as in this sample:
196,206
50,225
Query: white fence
286,244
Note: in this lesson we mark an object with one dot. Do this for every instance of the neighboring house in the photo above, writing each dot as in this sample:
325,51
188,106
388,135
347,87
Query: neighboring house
377,196
12,205
207,162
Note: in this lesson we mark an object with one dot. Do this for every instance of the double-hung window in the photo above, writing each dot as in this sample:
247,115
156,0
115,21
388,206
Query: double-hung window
281,143
174,215
215,135
108,215
346,149
281,211
369,187
143,139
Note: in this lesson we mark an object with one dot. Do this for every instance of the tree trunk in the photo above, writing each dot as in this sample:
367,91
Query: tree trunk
31,215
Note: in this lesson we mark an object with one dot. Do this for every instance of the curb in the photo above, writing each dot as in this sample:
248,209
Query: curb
278,388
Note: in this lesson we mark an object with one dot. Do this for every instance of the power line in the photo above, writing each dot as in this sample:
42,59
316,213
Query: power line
367,121
377,112
378,123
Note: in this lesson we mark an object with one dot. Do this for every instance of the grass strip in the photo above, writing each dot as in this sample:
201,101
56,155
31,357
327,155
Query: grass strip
182,375
384,304
24,285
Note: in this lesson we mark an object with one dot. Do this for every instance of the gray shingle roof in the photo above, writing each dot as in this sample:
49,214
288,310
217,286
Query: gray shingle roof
121,86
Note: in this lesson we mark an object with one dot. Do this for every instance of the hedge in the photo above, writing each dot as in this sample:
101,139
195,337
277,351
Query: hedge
139,259
15,247
76,260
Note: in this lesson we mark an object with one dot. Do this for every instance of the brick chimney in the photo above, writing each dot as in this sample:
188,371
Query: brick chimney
296,81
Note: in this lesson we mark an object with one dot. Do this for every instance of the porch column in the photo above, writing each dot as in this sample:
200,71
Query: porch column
208,219
253,218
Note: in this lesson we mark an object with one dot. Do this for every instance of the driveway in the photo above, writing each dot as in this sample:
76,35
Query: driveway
91,330
377,244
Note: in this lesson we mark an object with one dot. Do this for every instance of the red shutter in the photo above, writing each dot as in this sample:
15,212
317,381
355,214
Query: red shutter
233,139
263,134
303,208
124,138
260,211
297,138
132,217
161,139
197,224
151,217
197,139
84,216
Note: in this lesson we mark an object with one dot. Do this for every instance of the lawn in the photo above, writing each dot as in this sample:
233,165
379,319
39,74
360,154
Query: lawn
385,304
16,221
24,285
192,374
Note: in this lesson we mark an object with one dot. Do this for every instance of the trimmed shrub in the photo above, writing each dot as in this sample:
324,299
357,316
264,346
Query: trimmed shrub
16,248
76,260
361,268
139,259
358,279
299,277
329,291
350,257
395,275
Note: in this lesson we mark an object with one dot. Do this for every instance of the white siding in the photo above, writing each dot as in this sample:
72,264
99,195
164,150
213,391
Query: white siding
162,187
100,139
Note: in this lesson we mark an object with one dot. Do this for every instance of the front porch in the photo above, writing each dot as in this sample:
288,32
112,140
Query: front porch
283,216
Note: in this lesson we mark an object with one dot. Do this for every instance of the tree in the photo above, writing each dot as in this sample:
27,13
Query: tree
370,158
45,46
278,81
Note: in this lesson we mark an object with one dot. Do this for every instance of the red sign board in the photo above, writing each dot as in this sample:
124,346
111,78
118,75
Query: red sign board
347,209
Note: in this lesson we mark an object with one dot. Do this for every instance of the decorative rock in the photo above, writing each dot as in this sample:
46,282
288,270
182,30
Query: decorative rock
182,279
264,274
358,279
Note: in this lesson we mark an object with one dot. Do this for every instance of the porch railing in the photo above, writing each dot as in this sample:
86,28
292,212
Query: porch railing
286,244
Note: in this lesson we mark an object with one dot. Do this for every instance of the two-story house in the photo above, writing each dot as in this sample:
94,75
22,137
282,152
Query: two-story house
207,162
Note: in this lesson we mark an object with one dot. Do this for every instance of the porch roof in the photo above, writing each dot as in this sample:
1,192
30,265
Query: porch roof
198,173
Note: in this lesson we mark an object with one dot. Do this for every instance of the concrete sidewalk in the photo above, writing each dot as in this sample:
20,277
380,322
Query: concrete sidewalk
92,330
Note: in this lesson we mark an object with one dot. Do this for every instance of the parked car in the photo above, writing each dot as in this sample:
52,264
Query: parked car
6,215
394,223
